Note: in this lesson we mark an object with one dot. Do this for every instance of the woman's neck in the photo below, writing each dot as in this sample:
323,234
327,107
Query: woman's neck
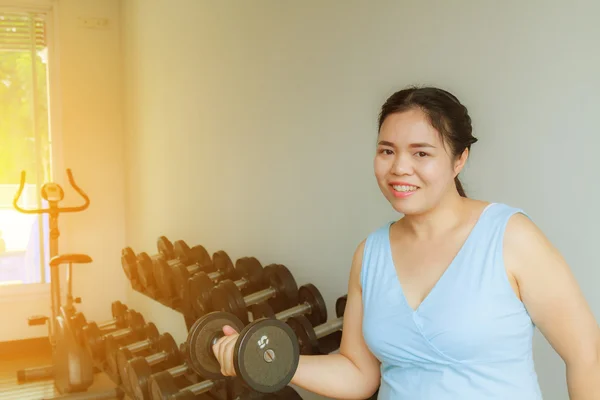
437,221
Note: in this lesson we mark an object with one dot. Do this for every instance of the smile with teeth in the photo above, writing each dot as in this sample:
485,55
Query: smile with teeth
404,188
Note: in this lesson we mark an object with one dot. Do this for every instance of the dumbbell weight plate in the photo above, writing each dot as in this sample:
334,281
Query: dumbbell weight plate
310,294
187,255
163,274
112,347
266,355
201,338
198,290
228,297
340,305
145,271
250,269
281,279
308,342
165,247
261,310
140,371
118,309
196,255
330,343
223,264
128,263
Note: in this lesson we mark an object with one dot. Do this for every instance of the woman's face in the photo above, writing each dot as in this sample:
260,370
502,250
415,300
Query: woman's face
413,167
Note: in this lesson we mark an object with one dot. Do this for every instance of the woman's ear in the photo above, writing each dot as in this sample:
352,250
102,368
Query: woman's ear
460,162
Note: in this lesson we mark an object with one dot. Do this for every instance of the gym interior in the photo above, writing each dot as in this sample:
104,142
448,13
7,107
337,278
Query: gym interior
199,145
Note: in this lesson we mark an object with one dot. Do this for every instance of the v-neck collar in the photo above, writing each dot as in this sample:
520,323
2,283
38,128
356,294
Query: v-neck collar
446,271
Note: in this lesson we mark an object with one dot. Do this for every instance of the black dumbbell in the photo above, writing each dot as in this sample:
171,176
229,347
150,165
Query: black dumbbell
282,293
113,347
310,304
187,256
174,274
94,339
169,272
138,276
311,340
266,351
200,285
139,369
78,321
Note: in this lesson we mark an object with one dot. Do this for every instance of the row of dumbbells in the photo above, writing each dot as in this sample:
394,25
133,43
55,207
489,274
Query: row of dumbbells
149,365
166,275
196,283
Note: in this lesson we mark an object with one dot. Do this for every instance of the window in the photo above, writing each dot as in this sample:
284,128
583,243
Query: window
25,144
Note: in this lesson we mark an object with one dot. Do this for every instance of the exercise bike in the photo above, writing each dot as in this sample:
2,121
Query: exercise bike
72,367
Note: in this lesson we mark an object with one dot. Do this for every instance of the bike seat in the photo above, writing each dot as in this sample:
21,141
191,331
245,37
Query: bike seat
70,259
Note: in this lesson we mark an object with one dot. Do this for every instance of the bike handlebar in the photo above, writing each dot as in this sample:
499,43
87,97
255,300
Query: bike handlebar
47,210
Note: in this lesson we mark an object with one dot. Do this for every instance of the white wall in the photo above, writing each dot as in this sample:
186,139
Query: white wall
251,126
89,140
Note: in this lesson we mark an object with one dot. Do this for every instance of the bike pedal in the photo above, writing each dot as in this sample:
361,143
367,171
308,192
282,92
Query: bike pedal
37,320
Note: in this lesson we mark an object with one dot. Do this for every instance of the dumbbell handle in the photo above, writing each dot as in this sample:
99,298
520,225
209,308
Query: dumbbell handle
328,327
107,324
121,333
300,309
213,276
139,346
157,358
241,283
178,370
259,297
198,388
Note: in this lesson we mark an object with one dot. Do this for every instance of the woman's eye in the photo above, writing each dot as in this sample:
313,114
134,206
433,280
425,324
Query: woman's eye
422,154
386,151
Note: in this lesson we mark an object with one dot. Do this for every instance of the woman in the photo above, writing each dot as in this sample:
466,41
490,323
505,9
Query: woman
442,304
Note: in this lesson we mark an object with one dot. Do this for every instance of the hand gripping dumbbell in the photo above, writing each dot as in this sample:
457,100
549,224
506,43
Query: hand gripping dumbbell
310,304
174,275
139,369
266,352
94,339
200,285
78,321
282,293
115,346
138,276
314,340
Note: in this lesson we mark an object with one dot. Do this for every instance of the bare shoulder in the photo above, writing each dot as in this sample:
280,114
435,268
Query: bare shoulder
549,291
356,266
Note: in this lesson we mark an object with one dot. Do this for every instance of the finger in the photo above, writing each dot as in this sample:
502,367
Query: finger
226,354
229,349
228,330
223,355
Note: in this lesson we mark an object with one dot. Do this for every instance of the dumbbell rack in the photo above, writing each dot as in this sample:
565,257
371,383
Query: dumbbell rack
184,278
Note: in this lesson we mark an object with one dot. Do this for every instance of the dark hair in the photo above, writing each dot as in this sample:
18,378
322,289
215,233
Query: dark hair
445,113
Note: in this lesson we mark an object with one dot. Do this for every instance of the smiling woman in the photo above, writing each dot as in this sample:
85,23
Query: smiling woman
443,303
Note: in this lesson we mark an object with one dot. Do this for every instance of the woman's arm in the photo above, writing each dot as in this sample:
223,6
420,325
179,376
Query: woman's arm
556,304
351,374
354,372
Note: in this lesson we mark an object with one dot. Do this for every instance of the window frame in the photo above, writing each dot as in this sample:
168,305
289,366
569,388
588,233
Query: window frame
35,291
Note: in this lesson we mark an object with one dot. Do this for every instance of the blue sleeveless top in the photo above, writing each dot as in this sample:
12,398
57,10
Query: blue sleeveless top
471,338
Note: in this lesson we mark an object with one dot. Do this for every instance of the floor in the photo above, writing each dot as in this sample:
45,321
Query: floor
11,390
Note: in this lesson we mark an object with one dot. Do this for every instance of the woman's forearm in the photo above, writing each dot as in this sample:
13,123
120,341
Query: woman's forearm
334,375
583,381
